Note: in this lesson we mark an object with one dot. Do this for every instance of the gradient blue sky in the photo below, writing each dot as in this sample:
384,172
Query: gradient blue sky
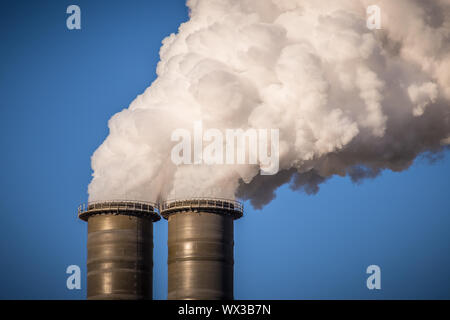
58,90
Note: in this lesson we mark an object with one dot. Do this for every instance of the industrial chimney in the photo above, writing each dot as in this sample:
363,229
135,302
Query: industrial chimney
200,241
120,249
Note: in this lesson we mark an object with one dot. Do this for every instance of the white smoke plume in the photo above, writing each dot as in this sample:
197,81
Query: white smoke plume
346,100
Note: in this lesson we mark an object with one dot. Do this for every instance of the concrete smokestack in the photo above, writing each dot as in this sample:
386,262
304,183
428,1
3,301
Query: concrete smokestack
120,249
200,241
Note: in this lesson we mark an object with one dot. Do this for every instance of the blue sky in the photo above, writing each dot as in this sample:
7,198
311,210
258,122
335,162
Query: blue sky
58,90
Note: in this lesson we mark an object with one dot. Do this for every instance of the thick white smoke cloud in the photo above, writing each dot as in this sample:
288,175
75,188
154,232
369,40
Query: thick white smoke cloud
347,100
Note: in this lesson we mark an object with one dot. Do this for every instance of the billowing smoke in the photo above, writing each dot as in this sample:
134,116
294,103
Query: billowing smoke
347,100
